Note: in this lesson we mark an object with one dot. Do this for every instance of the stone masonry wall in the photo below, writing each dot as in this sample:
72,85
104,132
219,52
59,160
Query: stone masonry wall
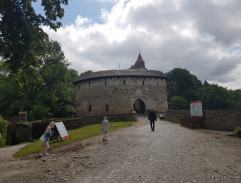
116,95
225,120
222,119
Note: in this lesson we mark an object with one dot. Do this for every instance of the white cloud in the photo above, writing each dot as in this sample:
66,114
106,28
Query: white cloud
201,36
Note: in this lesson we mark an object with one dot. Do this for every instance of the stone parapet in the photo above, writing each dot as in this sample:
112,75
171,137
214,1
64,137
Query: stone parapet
224,120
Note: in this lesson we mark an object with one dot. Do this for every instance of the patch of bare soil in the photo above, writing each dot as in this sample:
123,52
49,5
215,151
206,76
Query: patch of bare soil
135,154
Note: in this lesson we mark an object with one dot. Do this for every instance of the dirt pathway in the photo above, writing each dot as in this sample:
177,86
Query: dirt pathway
136,154
6,153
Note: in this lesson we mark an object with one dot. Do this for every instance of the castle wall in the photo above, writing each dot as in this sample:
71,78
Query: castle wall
226,120
116,95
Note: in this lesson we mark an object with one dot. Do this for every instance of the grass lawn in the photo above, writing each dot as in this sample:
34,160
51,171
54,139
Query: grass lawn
75,135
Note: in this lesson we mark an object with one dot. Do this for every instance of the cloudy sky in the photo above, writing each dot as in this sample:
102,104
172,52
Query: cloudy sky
202,36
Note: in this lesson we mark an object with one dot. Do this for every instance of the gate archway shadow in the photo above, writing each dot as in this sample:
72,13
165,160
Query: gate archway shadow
139,106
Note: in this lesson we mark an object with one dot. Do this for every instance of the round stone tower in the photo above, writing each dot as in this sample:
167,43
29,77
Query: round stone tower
121,91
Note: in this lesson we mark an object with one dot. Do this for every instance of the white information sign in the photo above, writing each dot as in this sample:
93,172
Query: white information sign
196,109
62,130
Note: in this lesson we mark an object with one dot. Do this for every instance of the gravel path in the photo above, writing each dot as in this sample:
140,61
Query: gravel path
136,154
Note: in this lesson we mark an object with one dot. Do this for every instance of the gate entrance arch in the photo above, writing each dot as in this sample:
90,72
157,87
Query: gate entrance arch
139,106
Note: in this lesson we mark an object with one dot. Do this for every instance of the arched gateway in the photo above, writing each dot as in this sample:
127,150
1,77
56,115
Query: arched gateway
139,106
121,91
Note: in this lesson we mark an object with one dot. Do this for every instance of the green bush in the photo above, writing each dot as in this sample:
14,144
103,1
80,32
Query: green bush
38,112
3,131
237,131
178,103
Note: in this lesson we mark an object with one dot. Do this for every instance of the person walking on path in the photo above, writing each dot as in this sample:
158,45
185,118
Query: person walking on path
47,134
105,128
152,119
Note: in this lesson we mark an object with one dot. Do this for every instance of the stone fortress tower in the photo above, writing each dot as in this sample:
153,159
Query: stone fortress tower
121,91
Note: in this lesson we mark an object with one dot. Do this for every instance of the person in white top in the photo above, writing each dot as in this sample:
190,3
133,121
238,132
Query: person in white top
47,135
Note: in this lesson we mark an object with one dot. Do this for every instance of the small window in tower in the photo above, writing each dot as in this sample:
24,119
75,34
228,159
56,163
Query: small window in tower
89,83
107,107
124,82
105,83
143,83
90,107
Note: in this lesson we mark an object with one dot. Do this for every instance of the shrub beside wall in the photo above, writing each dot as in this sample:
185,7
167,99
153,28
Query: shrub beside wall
3,131
237,132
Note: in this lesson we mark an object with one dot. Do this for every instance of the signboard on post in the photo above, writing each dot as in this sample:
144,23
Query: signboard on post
196,109
62,130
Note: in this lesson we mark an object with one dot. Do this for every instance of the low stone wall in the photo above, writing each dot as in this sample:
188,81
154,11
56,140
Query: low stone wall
178,116
28,131
23,132
12,132
224,120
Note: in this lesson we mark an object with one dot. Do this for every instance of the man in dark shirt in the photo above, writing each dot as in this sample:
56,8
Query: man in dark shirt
152,118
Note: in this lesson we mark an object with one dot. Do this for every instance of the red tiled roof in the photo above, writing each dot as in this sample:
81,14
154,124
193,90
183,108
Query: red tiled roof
140,59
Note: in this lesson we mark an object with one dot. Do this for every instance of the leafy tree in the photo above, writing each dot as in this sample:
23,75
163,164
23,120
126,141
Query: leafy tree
182,83
236,99
86,72
57,100
215,97
21,37
9,93
178,103
22,40
52,96
53,55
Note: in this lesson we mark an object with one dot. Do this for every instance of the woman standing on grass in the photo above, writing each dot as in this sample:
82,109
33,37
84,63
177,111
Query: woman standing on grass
105,128
47,134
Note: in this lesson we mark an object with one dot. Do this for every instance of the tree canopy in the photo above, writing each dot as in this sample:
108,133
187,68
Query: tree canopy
34,74
21,37
52,96
184,87
25,48
86,72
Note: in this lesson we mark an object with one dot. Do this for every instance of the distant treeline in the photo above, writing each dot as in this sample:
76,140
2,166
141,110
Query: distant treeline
184,87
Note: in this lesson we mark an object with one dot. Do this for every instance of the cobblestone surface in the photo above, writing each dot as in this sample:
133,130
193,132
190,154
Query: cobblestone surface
136,154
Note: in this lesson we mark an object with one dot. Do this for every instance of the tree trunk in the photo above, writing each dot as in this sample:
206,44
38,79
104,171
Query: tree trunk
24,101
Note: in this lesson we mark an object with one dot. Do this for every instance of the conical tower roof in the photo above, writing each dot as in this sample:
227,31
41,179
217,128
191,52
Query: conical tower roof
140,59
140,63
